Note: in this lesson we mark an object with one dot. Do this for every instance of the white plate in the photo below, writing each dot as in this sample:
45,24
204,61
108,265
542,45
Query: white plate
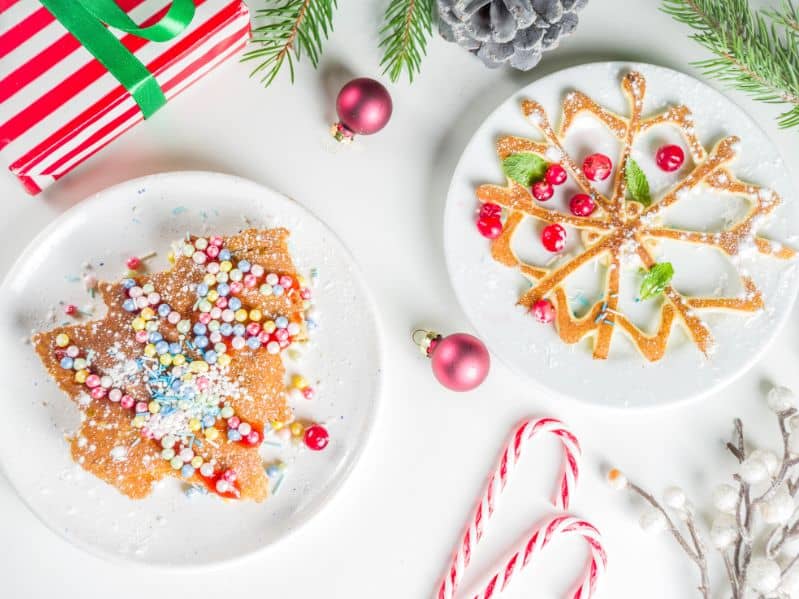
168,528
488,291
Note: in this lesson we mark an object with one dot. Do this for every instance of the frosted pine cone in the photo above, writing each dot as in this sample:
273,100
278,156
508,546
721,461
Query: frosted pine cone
512,31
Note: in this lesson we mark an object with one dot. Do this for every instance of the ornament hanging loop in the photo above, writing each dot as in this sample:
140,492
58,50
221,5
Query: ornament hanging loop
425,340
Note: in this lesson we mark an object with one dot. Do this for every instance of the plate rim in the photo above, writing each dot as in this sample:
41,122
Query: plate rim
358,452
672,403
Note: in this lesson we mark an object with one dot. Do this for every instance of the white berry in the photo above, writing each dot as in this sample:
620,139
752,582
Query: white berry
764,575
753,471
723,532
780,399
790,547
769,458
778,508
674,497
725,498
790,582
653,521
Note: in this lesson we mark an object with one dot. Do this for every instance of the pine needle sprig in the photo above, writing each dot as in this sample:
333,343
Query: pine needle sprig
754,51
407,27
787,15
290,28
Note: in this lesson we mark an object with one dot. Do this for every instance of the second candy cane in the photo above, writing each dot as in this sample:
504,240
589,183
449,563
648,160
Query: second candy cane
541,535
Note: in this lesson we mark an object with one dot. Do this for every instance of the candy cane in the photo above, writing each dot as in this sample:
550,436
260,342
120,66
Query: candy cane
497,480
535,542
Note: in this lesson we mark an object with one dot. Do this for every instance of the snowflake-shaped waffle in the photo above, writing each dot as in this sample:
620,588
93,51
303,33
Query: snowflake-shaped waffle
620,227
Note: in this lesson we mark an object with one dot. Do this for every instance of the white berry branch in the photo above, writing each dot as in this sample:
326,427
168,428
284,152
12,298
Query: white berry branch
756,528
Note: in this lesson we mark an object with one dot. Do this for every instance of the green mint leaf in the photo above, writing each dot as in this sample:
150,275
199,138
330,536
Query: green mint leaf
656,280
637,184
525,168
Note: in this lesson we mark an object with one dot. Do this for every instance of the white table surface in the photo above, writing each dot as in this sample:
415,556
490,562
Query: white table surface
390,531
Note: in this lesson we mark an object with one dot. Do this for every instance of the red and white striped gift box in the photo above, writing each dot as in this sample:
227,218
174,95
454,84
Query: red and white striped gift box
59,105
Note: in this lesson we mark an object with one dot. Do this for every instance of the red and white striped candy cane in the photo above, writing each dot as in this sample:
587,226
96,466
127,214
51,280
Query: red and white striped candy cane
535,542
497,480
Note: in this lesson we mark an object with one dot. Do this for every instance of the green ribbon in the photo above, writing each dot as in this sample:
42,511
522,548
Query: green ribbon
87,20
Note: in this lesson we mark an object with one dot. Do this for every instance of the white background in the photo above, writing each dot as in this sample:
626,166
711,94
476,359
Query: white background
390,531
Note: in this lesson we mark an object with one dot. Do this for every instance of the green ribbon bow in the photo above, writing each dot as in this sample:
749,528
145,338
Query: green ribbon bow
87,20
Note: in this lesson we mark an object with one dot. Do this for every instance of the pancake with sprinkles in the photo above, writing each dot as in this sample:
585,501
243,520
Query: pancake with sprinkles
183,376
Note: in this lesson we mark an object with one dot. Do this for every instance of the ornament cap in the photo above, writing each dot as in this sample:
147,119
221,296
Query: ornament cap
425,340
341,133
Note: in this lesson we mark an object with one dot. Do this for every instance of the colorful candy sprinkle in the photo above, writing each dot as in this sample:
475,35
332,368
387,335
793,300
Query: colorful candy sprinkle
316,437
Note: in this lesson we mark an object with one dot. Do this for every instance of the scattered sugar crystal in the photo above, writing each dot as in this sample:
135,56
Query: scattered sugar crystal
119,453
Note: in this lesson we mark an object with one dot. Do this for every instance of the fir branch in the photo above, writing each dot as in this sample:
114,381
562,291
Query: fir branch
756,52
787,15
407,26
291,27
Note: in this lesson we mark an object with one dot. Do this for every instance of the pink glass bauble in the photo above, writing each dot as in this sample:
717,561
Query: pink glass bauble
460,361
364,106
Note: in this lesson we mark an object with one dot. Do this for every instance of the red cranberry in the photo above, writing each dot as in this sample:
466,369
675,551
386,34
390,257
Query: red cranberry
70,309
316,437
542,191
489,227
597,167
555,174
133,263
582,204
543,311
554,237
490,210
670,157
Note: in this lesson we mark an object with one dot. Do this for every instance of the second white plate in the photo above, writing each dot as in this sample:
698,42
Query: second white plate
489,291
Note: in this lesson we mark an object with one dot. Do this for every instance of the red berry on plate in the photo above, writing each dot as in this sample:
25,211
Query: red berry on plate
554,237
489,210
582,204
542,191
489,227
555,174
597,167
670,157
316,437
70,309
543,311
133,263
